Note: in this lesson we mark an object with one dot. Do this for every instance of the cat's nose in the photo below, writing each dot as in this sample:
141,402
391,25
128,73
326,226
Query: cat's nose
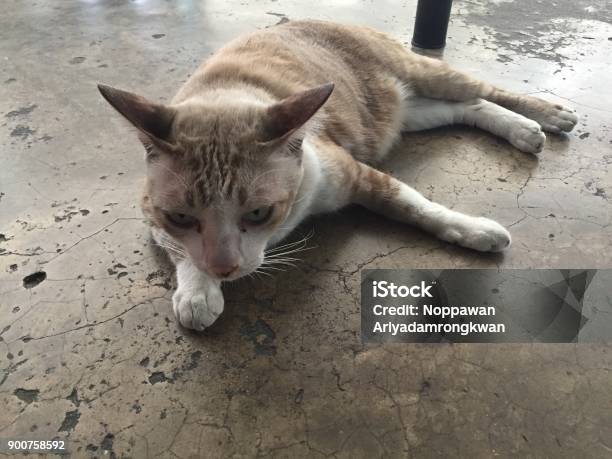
224,271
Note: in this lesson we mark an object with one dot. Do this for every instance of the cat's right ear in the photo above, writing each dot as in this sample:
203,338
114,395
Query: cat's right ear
286,117
153,121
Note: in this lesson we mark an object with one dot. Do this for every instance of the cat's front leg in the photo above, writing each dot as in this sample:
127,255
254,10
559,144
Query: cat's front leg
198,300
384,194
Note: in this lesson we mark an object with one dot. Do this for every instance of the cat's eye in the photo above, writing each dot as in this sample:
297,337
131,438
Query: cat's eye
181,220
258,216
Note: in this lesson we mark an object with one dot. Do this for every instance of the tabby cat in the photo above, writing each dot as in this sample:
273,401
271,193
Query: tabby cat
288,122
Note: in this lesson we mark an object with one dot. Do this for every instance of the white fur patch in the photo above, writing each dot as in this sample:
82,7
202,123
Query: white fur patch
198,300
307,201
476,233
420,113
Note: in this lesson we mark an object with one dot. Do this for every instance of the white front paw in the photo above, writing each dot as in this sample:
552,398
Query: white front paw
478,233
527,136
198,308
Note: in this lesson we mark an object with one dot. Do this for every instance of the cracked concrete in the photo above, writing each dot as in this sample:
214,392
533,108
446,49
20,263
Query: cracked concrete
90,351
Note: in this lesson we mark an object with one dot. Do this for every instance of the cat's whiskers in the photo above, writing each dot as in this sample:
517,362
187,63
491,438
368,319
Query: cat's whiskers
273,268
178,255
302,242
282,259
285,254
279,260
289,250
280,248
261,271
170,243
175,252
171,246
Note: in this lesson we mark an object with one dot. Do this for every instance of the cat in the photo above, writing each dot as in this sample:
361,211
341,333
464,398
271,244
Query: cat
288,122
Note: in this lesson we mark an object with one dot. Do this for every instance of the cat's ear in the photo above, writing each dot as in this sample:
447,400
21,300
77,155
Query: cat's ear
287,116
154,121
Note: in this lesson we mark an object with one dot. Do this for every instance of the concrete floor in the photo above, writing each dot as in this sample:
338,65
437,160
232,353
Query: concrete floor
92,352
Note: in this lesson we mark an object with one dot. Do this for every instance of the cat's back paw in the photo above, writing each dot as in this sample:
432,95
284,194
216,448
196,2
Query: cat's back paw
552,117
558,119
527,136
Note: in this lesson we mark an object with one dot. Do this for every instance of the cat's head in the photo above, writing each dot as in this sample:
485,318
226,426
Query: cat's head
221,177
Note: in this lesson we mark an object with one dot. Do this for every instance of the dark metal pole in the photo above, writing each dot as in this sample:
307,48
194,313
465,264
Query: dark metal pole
431,24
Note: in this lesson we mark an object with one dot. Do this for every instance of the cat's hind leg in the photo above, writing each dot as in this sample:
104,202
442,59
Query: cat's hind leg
384,194
421,113
435,79
552,117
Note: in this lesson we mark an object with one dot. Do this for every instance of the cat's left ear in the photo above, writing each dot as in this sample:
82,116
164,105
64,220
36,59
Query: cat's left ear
154,121
286,117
